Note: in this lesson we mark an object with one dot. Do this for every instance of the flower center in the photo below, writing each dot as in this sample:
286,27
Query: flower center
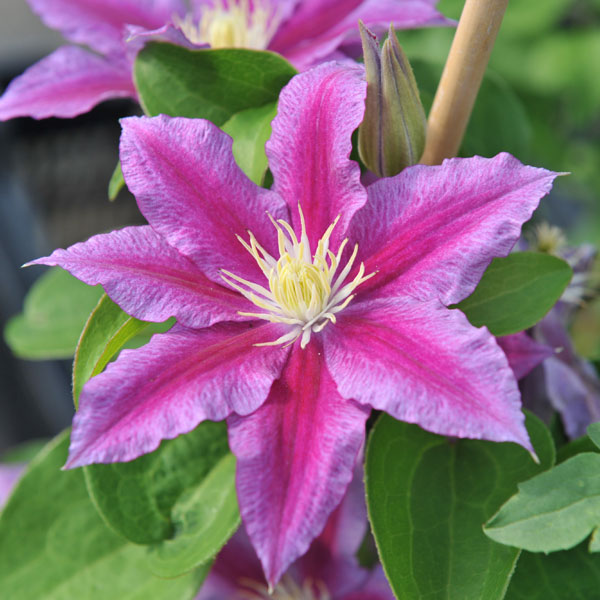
304,292
287,589
231,24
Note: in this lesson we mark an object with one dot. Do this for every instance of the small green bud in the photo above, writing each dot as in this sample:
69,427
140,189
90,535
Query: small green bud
392,134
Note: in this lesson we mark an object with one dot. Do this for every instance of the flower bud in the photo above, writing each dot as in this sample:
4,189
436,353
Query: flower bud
392,134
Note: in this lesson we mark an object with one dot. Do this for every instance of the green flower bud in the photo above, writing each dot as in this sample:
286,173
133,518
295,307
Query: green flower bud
392,134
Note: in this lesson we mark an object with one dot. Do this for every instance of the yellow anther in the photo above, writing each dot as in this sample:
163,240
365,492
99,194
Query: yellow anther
303,292
235,24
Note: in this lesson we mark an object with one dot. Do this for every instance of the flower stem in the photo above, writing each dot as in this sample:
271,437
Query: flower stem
473,42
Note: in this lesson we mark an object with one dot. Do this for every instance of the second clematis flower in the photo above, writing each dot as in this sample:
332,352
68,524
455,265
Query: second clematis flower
72,80
328,571
299,308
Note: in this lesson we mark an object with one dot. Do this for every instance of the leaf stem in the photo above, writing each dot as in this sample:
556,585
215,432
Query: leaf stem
471,48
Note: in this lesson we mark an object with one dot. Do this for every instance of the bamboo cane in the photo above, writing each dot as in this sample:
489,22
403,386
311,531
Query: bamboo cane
469,55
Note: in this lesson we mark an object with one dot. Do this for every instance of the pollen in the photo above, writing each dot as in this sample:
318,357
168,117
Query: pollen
304,291
231,24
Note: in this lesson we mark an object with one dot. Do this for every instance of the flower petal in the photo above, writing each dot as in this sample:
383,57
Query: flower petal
138,36
376,588
318,27
310,147
295,459
278,10
66,83
236,571
571,382
347,525
147,278
331,557
190,189
432,231
425,364
523,352
169,386
100,24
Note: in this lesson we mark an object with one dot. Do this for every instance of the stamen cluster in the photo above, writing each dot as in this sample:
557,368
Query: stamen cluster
231,24
303,292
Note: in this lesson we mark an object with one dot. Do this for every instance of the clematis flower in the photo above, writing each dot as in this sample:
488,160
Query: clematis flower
299,308
328,571
72,80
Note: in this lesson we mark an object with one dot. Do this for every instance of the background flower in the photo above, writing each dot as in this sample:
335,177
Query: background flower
72,80
328,571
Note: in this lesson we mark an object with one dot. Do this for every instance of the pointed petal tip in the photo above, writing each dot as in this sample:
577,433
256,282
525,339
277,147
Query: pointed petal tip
42,260
72,463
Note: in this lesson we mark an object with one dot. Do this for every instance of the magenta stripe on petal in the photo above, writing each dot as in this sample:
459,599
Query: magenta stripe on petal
100,24
169,386
310,147
67,83
148,278
423,363
187,184
295,459
432,231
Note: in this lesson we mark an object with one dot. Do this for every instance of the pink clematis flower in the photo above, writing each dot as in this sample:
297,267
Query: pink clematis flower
299,308
72,80
328,571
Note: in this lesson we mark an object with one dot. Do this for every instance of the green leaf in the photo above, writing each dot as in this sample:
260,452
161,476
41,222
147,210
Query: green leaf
498,122
569,575
593,432
136,498
554,510
208,84
250,129
204,519
574,447
55,311
516,292
116,183
105,332
54,546
427,498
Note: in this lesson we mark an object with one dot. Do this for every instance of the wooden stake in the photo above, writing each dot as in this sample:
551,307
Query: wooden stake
473,42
